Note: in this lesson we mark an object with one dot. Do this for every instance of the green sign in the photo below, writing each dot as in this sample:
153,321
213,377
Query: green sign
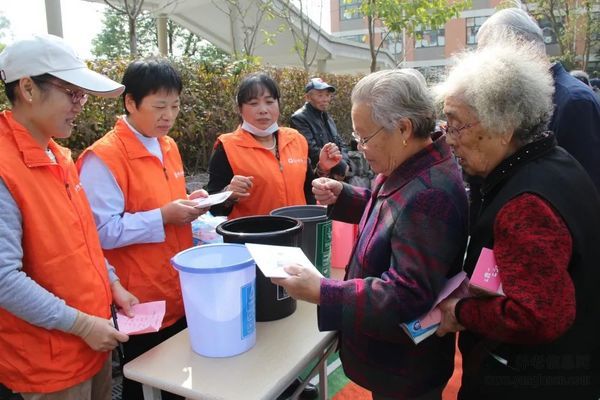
323,248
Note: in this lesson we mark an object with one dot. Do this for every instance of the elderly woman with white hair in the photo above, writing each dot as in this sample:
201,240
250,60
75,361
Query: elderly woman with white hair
540,216
413,229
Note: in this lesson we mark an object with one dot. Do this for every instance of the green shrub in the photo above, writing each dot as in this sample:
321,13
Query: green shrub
207,105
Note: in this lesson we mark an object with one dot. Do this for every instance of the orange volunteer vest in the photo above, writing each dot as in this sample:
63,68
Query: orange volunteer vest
276,183
61,252
145,269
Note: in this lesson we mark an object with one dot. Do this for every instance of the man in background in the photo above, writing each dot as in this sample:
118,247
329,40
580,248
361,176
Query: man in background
576,118
317,126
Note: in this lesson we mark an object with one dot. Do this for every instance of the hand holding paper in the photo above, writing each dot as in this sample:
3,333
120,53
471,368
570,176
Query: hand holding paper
303,283
147,318
271,259
449,323
290,268
213,199
425,326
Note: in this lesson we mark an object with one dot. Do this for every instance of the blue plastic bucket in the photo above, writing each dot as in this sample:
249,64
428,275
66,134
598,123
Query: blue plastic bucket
218,286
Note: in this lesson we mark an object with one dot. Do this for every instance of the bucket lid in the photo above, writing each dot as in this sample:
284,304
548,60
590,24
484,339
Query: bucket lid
259,226
307,213
213,258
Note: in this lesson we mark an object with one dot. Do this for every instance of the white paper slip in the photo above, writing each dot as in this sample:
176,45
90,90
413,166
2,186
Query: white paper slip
212,199
271,259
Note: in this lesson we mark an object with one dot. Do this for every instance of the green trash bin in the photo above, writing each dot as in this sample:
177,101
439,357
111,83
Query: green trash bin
316,235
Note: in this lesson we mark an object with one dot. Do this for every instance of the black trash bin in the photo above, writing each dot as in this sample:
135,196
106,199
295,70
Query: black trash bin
272,301
316,234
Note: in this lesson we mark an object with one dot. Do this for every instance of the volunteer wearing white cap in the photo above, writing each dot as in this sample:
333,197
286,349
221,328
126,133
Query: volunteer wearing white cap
55,286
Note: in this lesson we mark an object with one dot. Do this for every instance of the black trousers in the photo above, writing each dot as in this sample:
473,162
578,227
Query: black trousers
139,344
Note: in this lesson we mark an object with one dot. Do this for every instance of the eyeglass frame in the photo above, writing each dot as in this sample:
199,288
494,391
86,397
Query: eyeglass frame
77,97
457,132
363,141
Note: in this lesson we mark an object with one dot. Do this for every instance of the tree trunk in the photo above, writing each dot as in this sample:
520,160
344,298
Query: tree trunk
371,27
588,35
132,37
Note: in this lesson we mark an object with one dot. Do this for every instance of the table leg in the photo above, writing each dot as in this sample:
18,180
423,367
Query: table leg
151,393
321,367
323,379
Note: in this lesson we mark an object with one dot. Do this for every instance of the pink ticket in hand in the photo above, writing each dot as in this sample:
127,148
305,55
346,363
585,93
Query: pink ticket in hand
147,318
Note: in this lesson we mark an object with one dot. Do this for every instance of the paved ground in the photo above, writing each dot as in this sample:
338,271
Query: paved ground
197,181
117,382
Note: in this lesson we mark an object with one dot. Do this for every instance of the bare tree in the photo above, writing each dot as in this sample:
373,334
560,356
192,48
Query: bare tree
132,9
247,16
302,29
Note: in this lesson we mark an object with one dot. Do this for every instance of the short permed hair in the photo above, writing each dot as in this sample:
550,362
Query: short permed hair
508,86
395,94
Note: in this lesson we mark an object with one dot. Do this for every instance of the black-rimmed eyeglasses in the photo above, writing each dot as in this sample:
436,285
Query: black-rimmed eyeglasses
363,141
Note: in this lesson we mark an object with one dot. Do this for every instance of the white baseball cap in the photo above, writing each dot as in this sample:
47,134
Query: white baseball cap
49,54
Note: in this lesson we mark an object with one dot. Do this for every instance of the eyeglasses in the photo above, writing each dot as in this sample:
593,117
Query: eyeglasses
363,141
77,97
455,132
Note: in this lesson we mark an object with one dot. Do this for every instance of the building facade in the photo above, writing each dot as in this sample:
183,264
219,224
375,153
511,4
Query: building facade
432,51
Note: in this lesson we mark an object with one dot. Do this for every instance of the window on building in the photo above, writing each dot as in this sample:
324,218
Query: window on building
355,38
473,25
350,9
430,37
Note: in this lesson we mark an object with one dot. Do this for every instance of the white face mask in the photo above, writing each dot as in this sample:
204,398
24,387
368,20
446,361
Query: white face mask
259,132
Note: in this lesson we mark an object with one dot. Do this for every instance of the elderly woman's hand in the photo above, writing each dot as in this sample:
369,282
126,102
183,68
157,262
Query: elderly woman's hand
449,322
303,284
329,157
240,186
326,190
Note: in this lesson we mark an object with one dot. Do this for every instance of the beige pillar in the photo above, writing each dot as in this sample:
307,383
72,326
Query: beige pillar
54,17
161,26
321,66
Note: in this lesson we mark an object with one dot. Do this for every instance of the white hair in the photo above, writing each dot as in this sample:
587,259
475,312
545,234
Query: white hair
394,94
508,86
511,24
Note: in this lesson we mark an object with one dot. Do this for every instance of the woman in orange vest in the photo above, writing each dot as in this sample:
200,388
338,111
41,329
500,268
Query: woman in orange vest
265,166
136,185
55,287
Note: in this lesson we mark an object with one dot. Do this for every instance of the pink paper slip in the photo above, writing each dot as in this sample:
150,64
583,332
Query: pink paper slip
485,279
452,287
147,318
